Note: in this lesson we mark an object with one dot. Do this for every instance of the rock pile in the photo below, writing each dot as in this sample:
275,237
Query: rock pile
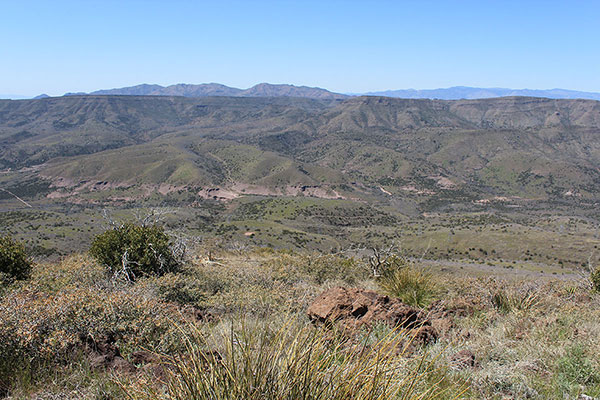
353,309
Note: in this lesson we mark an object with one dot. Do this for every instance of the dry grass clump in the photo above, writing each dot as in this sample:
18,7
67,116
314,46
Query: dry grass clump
522,299
414,286
255,360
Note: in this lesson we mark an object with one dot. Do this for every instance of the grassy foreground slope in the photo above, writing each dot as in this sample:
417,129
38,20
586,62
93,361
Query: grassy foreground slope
239,319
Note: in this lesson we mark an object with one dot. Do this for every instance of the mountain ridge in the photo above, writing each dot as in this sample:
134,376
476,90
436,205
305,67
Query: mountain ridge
286,90
217,89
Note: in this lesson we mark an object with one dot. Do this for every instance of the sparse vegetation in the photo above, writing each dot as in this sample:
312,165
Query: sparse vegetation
576,370
241,316
49,322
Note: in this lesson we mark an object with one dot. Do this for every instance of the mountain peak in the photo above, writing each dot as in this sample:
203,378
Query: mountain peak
275,90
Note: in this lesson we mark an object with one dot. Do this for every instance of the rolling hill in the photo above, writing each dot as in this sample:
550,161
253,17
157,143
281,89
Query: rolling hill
370,148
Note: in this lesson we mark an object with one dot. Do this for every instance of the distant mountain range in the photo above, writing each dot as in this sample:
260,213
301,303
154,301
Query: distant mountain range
271,90
469,93
216,89
284,90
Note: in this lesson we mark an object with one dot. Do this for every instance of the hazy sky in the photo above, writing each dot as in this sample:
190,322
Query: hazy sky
346,46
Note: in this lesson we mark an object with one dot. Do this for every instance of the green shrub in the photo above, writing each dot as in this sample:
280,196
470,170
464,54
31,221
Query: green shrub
14,262
135,250
595,279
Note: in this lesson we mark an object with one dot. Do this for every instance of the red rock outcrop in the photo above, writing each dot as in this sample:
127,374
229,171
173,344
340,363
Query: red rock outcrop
353,309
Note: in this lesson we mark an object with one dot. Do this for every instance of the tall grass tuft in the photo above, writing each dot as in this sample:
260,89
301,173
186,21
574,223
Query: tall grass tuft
294,362
516,300
412,285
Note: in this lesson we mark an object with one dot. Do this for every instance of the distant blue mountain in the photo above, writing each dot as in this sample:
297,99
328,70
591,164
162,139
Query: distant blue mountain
465,92
13,96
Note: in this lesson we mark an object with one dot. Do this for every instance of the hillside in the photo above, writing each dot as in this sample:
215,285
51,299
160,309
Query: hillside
517,147
517,177
32,132
255,317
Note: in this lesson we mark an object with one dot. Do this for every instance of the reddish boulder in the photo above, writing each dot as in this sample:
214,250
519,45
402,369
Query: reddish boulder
354,308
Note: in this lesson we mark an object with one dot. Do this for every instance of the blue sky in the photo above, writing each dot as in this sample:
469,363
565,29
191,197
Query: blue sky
346,46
